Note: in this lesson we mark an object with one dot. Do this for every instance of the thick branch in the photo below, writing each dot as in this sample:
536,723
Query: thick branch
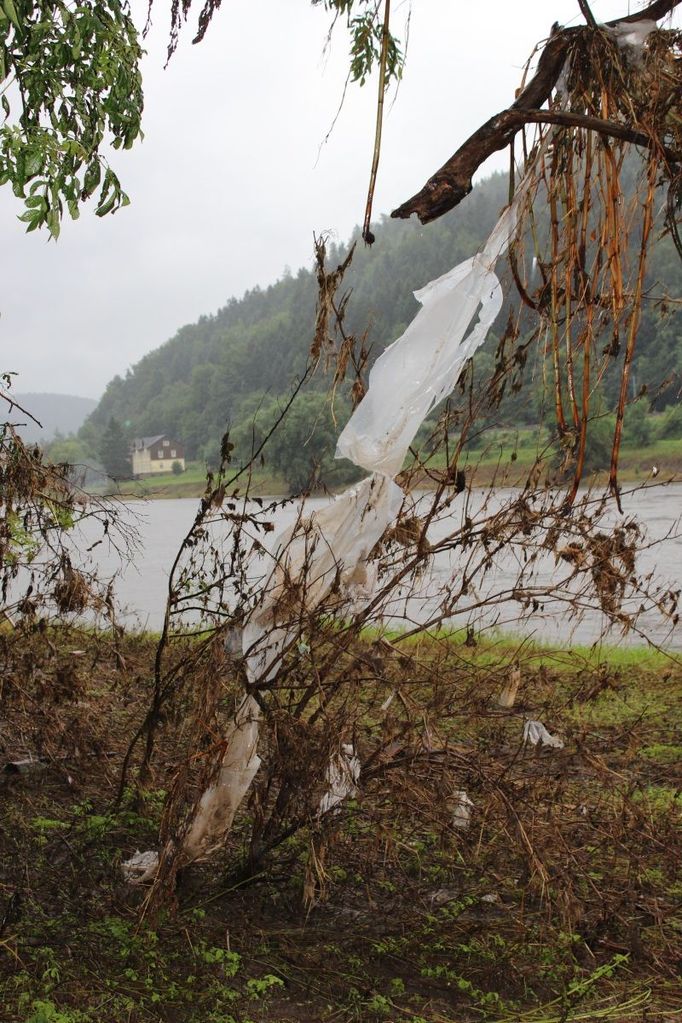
449,185
654,12
610,128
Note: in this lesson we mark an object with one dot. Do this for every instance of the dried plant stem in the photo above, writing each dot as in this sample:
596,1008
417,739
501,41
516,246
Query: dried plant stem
647,223
367,235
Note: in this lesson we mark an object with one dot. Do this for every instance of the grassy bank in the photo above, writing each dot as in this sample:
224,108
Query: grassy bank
192,483
561,901
509,456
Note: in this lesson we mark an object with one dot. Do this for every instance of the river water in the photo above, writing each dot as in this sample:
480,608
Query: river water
142,584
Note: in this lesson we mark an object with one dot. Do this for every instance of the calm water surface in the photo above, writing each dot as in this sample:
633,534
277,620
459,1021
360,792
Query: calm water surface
142,585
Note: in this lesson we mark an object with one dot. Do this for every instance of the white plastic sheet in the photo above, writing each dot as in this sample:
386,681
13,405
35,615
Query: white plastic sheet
421,368
219,803
327,548
343,774
535,733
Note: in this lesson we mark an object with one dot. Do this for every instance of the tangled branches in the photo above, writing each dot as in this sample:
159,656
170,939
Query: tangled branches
44,568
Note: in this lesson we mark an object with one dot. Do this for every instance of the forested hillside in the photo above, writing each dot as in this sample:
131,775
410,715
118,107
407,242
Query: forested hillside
213,372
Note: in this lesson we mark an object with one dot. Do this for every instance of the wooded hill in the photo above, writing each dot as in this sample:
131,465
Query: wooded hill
213,372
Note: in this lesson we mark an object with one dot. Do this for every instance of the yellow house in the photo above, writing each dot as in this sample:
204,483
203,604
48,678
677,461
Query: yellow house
151,455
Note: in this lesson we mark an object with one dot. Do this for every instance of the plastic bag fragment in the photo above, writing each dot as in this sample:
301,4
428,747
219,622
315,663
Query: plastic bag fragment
141,867
633,33
461,817
507,697
343,773
421,368
535,733
219,803
325,549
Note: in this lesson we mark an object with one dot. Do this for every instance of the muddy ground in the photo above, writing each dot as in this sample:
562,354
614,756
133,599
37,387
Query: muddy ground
561,899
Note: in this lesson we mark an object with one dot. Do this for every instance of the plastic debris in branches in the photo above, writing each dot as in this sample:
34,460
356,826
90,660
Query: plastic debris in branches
218,804
421,368
343,774
324,550
535,734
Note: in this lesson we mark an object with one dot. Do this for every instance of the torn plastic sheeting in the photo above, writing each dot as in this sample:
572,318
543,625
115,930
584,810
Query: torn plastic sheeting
343,774
421,368
633,33
220,801
329,547
461,817
507,697
141,867
535,733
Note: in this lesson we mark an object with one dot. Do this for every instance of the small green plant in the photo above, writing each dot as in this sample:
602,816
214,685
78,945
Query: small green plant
230,961
379,1005
261,987
47,1012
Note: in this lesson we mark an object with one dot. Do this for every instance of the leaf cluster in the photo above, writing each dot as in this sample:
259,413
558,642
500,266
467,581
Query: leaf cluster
70,84
364,21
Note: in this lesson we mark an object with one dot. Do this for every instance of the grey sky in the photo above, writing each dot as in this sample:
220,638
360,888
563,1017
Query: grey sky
227,188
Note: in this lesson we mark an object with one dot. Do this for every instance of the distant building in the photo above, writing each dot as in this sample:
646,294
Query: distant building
151,455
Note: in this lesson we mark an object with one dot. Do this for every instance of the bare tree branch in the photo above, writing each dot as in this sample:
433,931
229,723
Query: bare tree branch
587,13
449,185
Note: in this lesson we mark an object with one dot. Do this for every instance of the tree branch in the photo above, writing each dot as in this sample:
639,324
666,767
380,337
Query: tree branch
611,128
587,13
449,185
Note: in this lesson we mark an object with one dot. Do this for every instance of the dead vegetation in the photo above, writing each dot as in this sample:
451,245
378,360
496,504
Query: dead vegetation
462,874
555,897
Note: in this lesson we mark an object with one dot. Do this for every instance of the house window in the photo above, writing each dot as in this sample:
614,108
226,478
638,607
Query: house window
166,443
159,453
173,452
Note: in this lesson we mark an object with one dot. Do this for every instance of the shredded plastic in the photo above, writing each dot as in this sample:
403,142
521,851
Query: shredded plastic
219,803
461,817
535,733
141,867
343,774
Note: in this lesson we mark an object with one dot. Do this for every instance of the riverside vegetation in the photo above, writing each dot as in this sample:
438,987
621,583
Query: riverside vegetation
561,901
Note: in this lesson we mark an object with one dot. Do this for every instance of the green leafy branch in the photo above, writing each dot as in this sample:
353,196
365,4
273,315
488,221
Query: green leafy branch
70,84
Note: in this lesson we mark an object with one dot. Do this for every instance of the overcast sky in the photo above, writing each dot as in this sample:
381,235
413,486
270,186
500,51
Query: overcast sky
229,183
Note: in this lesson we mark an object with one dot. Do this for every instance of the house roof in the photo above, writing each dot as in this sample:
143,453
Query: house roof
140,443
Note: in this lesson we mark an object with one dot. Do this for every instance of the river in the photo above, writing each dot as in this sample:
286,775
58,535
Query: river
142,584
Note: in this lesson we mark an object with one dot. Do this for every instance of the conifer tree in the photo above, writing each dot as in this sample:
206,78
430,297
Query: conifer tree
114,451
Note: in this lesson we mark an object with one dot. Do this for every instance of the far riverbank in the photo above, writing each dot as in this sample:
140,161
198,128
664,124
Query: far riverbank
507,466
